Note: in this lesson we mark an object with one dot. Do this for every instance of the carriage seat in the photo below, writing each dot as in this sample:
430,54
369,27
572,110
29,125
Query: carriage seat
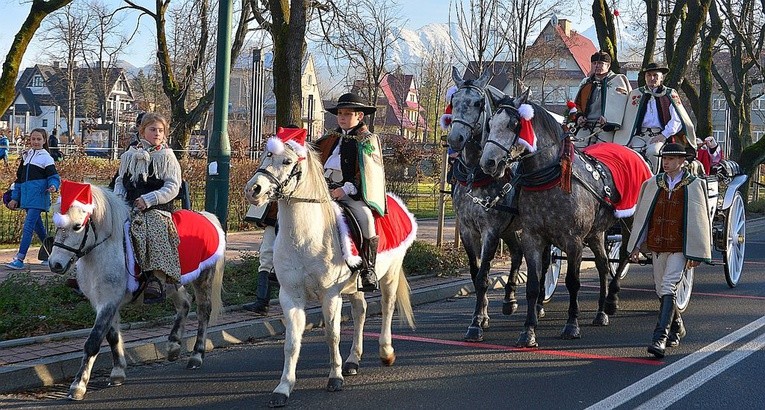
727,169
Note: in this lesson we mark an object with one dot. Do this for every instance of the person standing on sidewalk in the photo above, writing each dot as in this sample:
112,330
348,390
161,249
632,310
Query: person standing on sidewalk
4,147
672,220
36,179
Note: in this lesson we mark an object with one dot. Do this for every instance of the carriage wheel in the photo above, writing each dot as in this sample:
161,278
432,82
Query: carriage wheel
684,290
613,253
553,273
735,231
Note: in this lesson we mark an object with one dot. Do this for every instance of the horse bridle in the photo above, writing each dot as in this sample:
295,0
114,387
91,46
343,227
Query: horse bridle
81,250
472,126
513,112
278,189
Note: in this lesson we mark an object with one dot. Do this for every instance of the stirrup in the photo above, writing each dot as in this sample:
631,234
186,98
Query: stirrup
150,298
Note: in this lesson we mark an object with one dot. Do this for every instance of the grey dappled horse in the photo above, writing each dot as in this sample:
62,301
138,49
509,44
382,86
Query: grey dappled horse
95,244
481,226
552,216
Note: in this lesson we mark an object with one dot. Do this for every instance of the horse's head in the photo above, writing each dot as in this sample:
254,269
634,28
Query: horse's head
468,104
76,233
516,127
282,167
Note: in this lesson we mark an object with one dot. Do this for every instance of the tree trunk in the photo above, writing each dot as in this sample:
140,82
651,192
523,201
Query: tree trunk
40,9
288,32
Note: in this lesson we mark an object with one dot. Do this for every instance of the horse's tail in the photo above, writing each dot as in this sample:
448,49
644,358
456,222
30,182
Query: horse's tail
216,302
403,299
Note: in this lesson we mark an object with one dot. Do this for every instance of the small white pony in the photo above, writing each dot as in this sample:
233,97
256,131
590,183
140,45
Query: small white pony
92,237
310,265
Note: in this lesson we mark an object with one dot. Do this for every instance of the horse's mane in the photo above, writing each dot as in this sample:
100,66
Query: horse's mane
544,121
110,211
314,185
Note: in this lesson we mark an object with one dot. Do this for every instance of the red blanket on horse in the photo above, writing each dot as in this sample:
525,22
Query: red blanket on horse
628,169
398,227
201,245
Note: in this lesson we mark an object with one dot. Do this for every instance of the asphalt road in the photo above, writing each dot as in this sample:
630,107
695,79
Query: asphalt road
718,365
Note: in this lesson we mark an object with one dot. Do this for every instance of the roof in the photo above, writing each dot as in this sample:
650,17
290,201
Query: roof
395,87
581,47
502,72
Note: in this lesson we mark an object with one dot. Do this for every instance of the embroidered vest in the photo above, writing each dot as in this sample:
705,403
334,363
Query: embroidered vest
665,230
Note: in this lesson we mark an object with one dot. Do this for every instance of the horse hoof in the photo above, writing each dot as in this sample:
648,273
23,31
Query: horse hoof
116,381
173,352
509,307
601,319
540,311
474,334
610,307
485,323
194,363
570,331
76,395
277,400
335,384
388,361
350,369
527,339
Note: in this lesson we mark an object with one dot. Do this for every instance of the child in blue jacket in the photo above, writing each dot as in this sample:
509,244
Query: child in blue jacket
36,178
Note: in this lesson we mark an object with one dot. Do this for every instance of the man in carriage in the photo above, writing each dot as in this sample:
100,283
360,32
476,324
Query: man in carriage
353,166
600,102
655,116
672,222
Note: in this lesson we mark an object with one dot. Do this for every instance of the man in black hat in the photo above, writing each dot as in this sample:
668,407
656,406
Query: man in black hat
672,221
353,167
655,116
600,101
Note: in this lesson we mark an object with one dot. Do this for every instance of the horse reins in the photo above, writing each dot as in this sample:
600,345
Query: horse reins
82,251
280,185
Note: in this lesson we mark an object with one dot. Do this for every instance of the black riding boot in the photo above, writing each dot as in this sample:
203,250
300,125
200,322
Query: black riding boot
676,330
660,333
155,289
369,258
262,295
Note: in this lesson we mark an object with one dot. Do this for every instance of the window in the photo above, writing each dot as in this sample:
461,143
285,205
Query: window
37,81
756,135
45,123
562,63
549,38
572,91
719,104
759,104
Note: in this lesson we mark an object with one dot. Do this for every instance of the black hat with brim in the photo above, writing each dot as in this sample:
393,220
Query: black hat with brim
354,102
676,150
655,67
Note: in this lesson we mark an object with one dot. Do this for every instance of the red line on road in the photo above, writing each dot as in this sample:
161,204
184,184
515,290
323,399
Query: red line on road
489,346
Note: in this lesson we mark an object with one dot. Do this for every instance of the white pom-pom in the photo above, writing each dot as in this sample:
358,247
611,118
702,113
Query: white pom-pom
526,111
450,92
60,221
445,121
275,146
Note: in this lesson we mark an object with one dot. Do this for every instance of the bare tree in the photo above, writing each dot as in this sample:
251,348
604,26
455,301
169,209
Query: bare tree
434,79
37,12
286,21
521,17
178,80
64,34
481,29
363,32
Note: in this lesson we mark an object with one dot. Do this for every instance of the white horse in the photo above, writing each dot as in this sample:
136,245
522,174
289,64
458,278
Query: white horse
310,264
96,244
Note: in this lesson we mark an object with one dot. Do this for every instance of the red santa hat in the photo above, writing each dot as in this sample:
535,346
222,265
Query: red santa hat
571,106
526,136
73,195
294,137
446,119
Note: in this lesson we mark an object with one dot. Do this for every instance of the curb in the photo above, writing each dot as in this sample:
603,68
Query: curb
58,369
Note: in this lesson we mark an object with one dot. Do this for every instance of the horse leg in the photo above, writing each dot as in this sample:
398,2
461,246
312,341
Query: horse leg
103,324
114,337
481,284
331,309
470,241
204,309
573,262
389,289
510,303
546,261
533,264
359,312
182,304
612,300
601,263
294,325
